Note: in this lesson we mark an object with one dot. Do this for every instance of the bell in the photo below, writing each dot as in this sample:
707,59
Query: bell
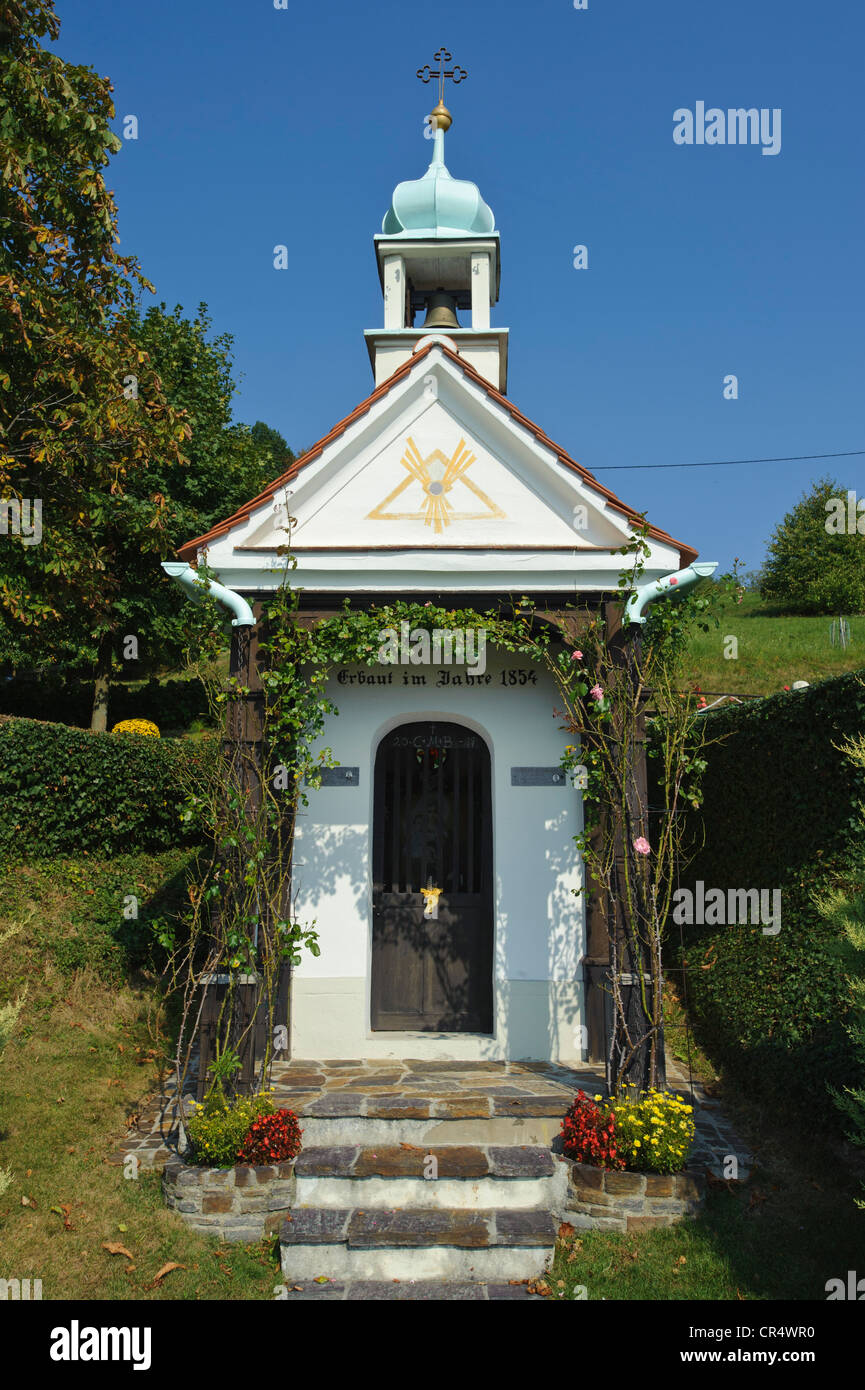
441,311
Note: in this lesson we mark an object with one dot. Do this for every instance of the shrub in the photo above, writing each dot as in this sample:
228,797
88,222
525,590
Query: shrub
217,1133
781,810
589,1134
271,1139
654,1132
65,790
136,726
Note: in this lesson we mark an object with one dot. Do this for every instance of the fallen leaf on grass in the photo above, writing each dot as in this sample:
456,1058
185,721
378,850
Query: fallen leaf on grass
412,1148
64,1210
166,1269
539,1286
28,1202
566,1230
115,1248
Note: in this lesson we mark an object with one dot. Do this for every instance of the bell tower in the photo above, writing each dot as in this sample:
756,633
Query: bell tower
439,262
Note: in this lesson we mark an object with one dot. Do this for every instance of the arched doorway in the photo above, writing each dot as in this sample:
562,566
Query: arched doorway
432,827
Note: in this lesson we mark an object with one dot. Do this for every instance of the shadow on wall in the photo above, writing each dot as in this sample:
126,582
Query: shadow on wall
331,871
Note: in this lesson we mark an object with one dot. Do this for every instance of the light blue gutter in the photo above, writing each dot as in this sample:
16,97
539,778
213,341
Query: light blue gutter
657,588
187,578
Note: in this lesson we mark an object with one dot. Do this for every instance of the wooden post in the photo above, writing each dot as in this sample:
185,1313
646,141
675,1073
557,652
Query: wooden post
243,753
625,647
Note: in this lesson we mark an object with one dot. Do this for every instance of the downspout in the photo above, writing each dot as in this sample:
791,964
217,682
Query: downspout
187,578
644,594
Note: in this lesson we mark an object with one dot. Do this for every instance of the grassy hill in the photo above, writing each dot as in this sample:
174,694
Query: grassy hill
774,650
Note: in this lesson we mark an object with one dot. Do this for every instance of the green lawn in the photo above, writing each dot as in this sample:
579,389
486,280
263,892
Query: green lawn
90,1047
773,650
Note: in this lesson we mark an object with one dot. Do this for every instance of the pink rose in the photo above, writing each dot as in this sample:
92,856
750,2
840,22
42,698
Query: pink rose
576,656
597,692
674,581
642,845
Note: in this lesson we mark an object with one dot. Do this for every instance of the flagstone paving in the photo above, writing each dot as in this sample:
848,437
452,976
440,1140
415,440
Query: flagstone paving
427,1090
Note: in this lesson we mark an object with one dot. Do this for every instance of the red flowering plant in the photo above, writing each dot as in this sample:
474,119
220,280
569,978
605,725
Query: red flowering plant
589,1134
271,1139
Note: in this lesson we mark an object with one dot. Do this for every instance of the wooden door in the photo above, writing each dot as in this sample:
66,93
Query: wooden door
432,826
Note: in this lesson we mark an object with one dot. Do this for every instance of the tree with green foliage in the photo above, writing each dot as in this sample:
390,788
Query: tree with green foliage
82,411
271,439
816,563
116,434
226,464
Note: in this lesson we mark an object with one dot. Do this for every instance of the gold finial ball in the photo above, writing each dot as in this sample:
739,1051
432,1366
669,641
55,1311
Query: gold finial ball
441,118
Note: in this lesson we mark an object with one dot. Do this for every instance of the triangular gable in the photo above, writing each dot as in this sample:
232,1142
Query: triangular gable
435,457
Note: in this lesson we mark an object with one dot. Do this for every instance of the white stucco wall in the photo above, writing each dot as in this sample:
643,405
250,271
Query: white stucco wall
539,922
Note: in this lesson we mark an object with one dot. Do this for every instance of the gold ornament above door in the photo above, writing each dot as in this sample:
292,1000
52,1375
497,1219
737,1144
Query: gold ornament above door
429,482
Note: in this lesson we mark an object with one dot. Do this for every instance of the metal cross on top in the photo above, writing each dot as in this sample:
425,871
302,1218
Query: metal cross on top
456,74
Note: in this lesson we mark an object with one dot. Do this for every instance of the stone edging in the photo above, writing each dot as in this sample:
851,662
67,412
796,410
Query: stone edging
241,1203
609,1201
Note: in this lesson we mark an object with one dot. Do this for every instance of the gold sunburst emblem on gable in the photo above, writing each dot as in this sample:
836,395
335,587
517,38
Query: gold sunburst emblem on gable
436,477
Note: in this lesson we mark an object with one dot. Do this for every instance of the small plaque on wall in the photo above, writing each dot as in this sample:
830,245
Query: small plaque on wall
338,777
537,777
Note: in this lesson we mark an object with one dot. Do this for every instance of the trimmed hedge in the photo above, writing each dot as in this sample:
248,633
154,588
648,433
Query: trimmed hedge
781,810
66,790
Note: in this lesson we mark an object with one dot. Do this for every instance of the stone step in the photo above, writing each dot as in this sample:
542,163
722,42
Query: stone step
488,1244
413,1161
494,1102
370,1132
409,1290
417,1176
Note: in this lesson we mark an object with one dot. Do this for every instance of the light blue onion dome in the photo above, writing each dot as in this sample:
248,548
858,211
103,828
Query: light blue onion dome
438,205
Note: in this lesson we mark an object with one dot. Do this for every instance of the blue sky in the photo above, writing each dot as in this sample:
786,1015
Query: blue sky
260,126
